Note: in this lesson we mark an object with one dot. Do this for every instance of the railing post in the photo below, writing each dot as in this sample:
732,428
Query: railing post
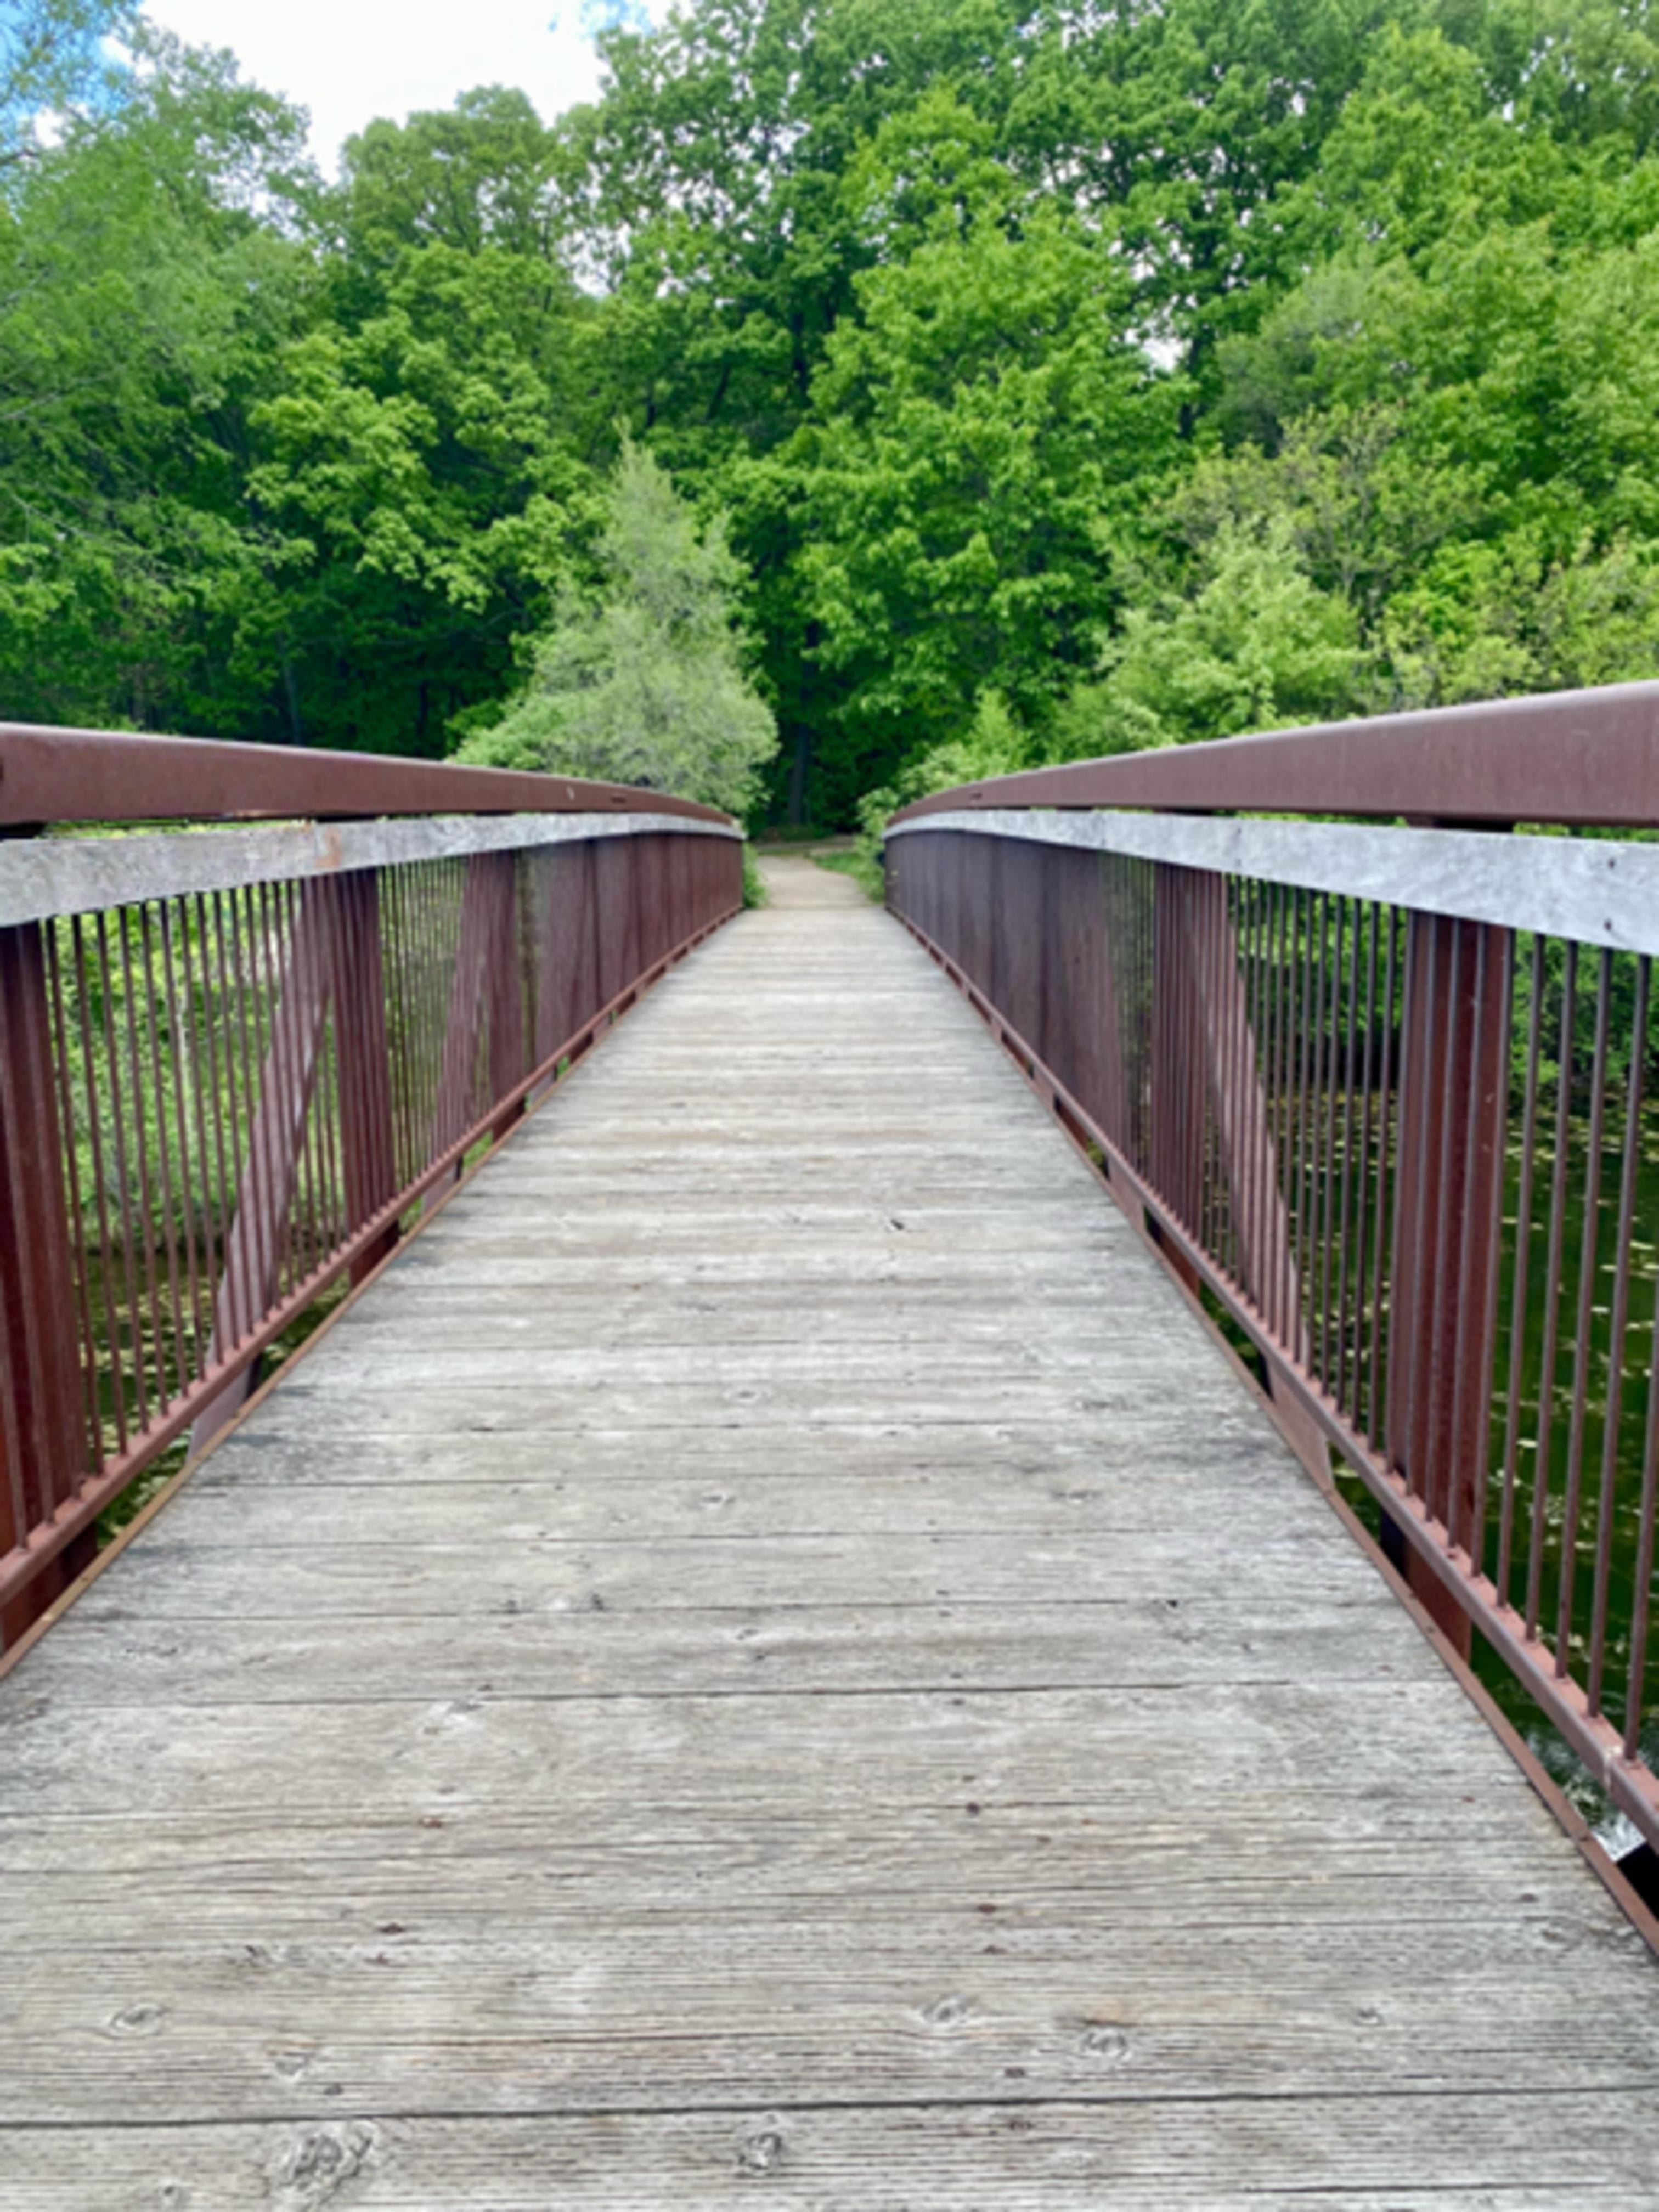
1205,1064
1453,1104
654,893
567,972
1021,978
617,914
1178,1080
1084,1042
508,1063
253,1251
43,1414
357,976
485,987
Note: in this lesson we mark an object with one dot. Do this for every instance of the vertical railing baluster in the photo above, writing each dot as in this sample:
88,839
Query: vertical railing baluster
362,1061
1384,1208
1618,1324
1583,1350
1481,1240
1542,1449
1522,1275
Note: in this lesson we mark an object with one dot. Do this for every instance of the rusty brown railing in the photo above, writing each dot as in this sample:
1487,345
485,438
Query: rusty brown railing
236,1064
1385,1098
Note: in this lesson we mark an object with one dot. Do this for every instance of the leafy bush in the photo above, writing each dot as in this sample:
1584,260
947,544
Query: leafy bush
755,893
995,744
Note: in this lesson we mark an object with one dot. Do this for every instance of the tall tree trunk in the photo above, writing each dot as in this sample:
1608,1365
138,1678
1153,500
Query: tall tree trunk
296,728
801,761
799,765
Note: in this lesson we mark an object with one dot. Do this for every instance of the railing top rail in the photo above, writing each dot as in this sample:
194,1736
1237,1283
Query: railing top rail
41,878
1595,892
49,775
1587,758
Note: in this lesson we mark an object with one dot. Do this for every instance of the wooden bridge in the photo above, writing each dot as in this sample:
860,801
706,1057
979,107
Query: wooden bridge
775,1649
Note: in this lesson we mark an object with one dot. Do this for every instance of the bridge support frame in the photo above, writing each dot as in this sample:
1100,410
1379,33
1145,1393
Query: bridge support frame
1454,1086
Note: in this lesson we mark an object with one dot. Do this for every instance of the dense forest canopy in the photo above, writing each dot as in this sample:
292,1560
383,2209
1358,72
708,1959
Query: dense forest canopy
1049,375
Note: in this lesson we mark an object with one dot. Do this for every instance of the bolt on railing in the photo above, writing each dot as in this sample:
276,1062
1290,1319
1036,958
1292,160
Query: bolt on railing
236,1065
1385,1097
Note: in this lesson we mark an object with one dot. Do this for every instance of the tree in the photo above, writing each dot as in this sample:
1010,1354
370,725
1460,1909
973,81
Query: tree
1453,415
761,183
644,682
1114,369
1254,644
426,463
52,57
148,274
981,431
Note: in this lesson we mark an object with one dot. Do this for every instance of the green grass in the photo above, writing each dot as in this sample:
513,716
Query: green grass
862,865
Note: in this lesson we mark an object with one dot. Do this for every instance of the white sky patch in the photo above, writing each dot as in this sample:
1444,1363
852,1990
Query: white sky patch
350,61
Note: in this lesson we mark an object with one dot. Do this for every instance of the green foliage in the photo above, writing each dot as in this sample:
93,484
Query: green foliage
994,744
643,680
1252,643
1154,372
144,292
52,62
861,860
755,893
985,425
424,459
1452,417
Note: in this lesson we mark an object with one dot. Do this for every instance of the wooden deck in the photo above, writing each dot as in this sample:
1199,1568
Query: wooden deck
769,1659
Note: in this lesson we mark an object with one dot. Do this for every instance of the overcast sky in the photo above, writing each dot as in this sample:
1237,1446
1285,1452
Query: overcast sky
349,61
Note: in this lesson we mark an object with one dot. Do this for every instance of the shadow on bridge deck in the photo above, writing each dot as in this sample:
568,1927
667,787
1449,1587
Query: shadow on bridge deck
768,1654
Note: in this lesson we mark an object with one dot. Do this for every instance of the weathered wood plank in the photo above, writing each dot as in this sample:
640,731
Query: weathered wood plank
169,1581
605,1400
134,1658
580,1509
1141,1452
645,2013
789,1361
886,1468
1500,2154
468,1851
300,1876
900,1747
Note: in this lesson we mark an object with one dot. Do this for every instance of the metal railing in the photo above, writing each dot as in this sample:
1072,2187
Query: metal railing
1385,1097
236,1064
